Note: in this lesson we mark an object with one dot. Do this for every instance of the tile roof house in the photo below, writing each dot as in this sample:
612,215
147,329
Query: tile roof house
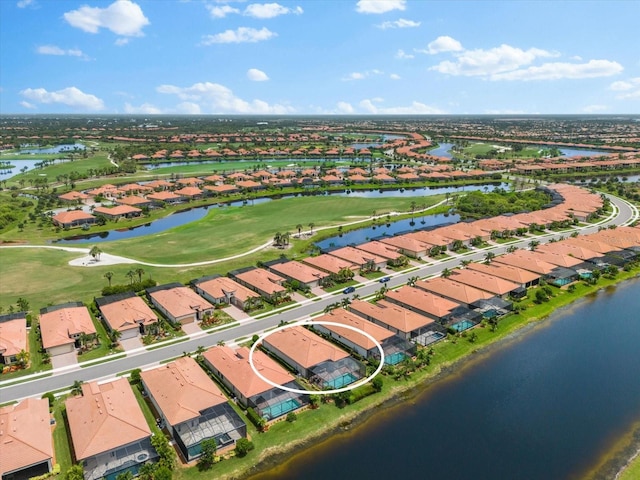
109,433
266,283
404,323
314,357
127,313
329,263
422,302
162,197
395,349
218,290
522,277
178,303
300,272
232,367
390,253
526,260
113,213
73,218
488,283
365,260
408,246
62,327
455,291
192,406
25,436
13,337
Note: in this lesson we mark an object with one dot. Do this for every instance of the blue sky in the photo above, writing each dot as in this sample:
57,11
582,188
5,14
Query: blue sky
319,57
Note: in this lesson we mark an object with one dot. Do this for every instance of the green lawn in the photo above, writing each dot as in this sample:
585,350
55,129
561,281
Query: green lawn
632,472
229,231
61,438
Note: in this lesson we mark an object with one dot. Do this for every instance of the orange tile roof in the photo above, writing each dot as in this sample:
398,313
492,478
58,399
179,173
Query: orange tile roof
329,263
527,260
489,283
565,248
422,300
234,366
219,287
180,301
128,313
508,272
25,434
299,271
13,336
104,418
263,280
182,390
356,256
163,196
304,347
393,315
460,292
72,216
118,210
57,326
340,315
380,249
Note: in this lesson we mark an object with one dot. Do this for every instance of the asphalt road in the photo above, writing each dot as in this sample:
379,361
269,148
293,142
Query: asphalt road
625,214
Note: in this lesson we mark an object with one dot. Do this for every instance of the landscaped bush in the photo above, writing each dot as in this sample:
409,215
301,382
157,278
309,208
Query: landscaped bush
131,287
256,419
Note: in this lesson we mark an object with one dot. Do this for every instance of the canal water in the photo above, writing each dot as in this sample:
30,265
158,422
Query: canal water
546,405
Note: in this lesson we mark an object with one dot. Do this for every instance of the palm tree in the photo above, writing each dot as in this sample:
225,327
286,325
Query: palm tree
285,238
95,252
446,273
345,302
311,225
464,263
131,274
277,239
108,276
23,357
140,272
299,228
533,244
199,351
114,336
380,293
76,388
489,256
411,281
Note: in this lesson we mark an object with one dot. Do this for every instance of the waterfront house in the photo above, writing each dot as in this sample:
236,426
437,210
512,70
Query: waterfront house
408,246
365,261
489,283
454,291
13,337
232,368
406,324
391,254
73,218
65,327
120,211
192,407
109,433
25,437
526,260
330,264
313,357
127,313
395,349
266,283
218,290
522,277
178,303
422,302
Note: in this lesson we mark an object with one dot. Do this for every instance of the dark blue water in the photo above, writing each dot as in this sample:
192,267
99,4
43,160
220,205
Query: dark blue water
365,234
544,407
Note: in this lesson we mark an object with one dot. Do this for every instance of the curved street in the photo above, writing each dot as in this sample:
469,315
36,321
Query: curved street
624,213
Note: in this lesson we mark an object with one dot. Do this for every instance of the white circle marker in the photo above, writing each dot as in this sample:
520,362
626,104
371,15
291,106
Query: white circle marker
317,392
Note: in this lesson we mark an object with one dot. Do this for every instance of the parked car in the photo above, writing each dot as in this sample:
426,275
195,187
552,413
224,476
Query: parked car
384,279
349,290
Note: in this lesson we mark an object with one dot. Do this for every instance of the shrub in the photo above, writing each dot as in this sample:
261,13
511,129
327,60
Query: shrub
291,417
256,419
243,446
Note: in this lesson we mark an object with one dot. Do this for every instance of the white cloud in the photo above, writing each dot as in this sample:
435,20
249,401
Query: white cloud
595,108
55,50
630,89
25,4
240,35
221,11
414,108
361,75
443,43
400,23
490,62
269,10
122,17
379,6
561,70
70,96
345,108
145,108
28,105
189,108
121,42
394,76
256,75
403,55
216,98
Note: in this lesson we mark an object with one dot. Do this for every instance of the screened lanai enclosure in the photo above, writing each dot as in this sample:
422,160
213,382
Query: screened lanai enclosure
277,402
332,375
220,422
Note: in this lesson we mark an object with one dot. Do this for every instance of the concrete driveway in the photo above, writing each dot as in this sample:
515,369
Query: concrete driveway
64,360
131,343
190,328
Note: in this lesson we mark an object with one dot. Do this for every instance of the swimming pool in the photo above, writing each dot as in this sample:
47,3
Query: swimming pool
463,325
279,409
394,358
341,381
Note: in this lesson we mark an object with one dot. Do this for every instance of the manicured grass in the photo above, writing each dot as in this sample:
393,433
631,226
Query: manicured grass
222,231
35,357
61,438
104,360
632,471
105,344
172,342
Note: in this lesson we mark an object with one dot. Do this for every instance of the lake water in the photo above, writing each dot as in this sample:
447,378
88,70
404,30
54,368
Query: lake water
543,407
443,150
187,216
56,149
